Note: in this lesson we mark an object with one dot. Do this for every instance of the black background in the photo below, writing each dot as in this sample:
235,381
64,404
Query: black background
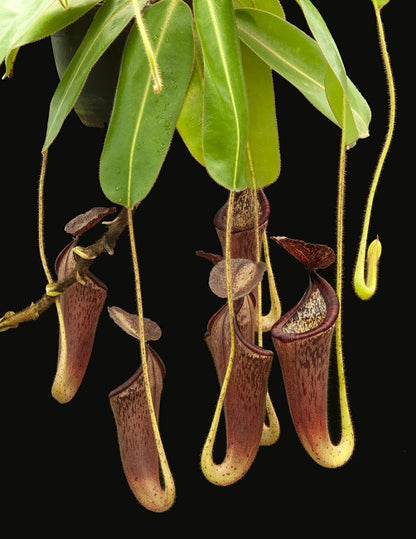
60,463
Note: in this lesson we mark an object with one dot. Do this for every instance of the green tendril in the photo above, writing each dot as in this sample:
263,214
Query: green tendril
366,269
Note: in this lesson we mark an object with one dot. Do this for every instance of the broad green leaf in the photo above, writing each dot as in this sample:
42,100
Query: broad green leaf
190,120
109,21
25,21
263,142
278,43
143,122
298,58
336,79
324,39
339,103
360,109
189,123
225,121
272,6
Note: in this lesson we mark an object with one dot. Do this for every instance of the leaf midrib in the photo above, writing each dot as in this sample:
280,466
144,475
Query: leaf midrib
274,53
228,80
143,105
293,67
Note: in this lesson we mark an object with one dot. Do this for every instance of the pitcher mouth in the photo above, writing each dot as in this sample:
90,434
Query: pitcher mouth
243,212
316,312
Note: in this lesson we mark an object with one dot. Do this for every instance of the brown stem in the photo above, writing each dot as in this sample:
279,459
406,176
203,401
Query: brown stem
105,244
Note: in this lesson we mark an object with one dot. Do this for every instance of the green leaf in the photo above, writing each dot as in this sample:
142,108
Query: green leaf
190,120
360,109
278,43
336,79
263,142
225,121
189,123
142,123
109,21
272,6
339,103
25,21
324,39
298,58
